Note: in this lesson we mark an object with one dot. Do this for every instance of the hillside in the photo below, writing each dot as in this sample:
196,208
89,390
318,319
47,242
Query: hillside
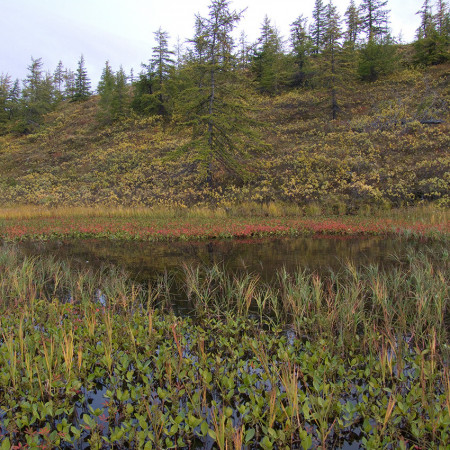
377,154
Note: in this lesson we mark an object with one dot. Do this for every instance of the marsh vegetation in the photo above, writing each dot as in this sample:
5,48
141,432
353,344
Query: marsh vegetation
356,357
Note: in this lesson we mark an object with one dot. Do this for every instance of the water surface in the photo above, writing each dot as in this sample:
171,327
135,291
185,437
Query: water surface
146,260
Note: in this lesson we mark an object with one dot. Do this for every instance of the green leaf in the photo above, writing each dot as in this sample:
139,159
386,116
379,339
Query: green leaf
266,443
305,409
212,434
204,428
249,435
6,444
306,442
193,421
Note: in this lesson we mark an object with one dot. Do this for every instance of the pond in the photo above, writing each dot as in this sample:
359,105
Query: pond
144,261
351,361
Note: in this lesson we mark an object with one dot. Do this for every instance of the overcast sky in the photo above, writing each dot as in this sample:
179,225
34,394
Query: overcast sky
121,31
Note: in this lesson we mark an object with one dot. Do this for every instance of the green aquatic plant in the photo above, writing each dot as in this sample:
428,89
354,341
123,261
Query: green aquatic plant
309,360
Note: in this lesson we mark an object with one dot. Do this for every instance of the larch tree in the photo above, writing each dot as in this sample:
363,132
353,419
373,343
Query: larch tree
302,47
213,103
121,95
105,89
374,18
37,93
58,81
332,35
9,100
442,18
244,57
426,20
268,60
13,105
433,35
5,89
163,66
69,84
353,22
317,26
82,82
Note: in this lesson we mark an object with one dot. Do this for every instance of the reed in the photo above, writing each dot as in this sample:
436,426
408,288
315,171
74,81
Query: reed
67,348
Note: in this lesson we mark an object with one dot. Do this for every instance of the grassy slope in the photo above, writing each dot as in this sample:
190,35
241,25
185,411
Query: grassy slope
367,157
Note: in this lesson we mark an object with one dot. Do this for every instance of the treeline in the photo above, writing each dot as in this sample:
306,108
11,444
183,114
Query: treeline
203,81
23,104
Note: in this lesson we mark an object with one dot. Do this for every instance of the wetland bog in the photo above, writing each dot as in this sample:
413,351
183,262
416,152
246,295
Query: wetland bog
269,343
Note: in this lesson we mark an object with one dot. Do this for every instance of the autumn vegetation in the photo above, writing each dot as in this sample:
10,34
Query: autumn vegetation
338,119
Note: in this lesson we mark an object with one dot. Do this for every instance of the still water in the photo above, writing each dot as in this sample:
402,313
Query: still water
146,260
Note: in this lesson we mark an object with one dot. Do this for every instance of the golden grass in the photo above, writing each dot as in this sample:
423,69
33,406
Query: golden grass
426,213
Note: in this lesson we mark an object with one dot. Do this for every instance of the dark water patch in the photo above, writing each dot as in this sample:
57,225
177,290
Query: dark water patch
145,261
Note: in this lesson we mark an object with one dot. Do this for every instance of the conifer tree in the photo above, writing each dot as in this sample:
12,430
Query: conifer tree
143,99
9,101
374,18
13,105
82,82
213,104
58,81
302,47
244,57
121,99
105,89
163,66
426,20
5,89
332,35
69,84
37,94
353,24
179,53
268,61
376,58
442,18
317,28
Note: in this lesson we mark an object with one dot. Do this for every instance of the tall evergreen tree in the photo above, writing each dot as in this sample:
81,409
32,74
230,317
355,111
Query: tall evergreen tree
353,23
82,82
426,20
58,81
442,18
244,58
144,101
268,61
163,66
37,94
105,89
162,56
332,35
374,18
69,83
5,89
302,47
13,105
179,53
317,27
121,97
213,103
433,35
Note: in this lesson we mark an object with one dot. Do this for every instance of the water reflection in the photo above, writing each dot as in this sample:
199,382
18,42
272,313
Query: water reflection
146,260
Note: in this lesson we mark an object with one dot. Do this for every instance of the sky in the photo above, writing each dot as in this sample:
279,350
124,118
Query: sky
121,31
